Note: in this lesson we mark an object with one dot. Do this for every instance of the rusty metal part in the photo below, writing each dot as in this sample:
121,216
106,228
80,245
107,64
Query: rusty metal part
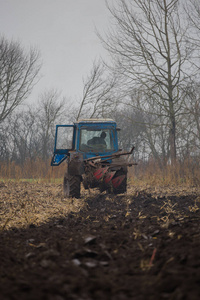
100,173
117,181
110,156
109,177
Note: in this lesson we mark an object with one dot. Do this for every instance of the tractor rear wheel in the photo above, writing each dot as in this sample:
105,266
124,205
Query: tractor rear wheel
72,186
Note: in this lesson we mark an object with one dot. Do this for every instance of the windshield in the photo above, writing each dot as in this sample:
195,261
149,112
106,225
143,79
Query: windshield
93,140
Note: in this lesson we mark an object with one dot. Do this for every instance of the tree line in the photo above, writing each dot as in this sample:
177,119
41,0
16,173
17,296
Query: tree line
150,86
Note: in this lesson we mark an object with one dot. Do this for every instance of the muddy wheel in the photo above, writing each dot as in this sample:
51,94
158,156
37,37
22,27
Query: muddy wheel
72,186
122,188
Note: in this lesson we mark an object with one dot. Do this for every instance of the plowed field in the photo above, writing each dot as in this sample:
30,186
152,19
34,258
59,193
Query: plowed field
142,245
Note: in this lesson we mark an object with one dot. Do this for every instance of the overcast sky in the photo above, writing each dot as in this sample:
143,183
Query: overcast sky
64,32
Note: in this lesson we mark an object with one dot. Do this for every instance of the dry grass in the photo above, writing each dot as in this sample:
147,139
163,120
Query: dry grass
25,203
32,194
38,170
151,173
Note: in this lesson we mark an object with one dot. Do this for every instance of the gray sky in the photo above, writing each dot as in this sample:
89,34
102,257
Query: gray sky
64,32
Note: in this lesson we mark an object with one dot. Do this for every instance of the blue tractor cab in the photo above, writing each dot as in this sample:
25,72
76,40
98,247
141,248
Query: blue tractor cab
88,137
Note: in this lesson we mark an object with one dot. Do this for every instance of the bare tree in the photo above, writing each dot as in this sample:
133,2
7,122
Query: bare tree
131,129
4,147
22,131
51,111
192,116
18,73
192,9
97,92
150,52
29,134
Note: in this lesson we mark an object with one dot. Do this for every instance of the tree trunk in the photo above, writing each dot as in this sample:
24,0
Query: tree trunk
172,137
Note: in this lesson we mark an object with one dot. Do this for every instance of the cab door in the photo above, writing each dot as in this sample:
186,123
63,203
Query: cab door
64,142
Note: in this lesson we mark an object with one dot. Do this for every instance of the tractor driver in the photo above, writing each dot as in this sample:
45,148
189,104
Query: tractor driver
98,140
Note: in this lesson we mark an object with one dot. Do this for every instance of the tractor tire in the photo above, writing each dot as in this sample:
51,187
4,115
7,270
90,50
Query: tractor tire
72,186
122,188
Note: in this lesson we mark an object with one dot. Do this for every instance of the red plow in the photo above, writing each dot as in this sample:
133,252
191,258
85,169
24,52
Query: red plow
108,173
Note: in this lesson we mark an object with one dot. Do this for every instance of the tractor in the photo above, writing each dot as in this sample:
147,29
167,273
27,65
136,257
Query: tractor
90,147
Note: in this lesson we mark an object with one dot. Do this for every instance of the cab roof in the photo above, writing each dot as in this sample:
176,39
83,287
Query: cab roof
95,121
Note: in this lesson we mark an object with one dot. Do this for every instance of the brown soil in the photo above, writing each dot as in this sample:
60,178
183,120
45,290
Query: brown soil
142,245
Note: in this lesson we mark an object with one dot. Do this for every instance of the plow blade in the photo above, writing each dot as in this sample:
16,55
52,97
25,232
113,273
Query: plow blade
109,177
100,173
117,181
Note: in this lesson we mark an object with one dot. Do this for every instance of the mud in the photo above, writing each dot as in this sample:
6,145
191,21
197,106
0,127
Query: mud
142,245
